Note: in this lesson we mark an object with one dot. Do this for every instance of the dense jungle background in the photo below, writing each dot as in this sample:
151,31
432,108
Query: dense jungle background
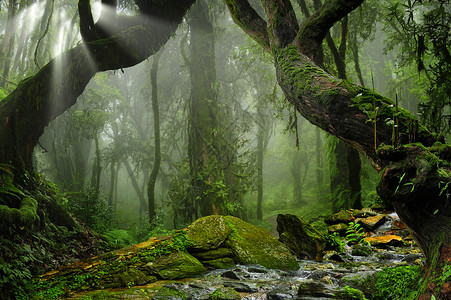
201,127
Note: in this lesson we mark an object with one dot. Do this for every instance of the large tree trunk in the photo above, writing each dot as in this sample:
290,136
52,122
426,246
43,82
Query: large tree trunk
357,115
203,127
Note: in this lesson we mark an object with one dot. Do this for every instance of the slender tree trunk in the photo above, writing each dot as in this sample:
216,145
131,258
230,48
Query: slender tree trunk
112,183
96,167
157,152
319,159
139,193
260,152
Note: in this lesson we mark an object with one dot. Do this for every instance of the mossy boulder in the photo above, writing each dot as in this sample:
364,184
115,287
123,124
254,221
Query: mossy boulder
301,237
176,265
207,233
213,254
254,245
225,293
349,293
219,263
169,292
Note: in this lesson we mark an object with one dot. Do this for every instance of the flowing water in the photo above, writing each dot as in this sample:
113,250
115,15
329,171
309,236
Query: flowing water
313,280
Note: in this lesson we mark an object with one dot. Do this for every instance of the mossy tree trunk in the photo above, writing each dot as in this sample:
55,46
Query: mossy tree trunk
357,116
203,144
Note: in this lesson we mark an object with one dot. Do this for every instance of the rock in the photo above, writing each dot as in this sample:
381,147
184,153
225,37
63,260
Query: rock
385,240
253,269
225,293
343,216
371,223
398,225
327,279
254,245
411,258
333,255
315,289
169,292
300,237
364,281
208,232
340,228
362,250
279,294
213,254
220,263
241,287
230,275
364,212
349,293
176,265
135,276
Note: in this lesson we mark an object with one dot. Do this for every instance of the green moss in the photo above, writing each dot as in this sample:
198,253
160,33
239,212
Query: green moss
168,292
26,215
207,233
254,245
225,293
348,293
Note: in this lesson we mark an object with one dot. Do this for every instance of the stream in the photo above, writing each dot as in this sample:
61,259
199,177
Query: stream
313,280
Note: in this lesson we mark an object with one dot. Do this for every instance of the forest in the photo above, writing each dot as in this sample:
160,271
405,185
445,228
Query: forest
236,149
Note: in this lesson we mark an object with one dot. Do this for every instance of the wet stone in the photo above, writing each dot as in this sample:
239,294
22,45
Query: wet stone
339,228
241,287
362,250
230,275
343,216
280,294
371,223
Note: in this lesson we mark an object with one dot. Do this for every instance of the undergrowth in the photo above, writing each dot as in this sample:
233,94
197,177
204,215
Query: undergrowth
397,283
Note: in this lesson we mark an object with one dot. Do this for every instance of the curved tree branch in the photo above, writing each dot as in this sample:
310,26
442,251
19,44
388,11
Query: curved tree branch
345,110
282,24
247,18
314,29
87,27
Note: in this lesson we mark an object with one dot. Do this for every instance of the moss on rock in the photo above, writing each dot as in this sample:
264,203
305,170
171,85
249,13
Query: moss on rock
176,265
254,245
301,237
220,263
225,293
207,233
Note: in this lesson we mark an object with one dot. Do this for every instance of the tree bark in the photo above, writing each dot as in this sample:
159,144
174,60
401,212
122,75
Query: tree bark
203,122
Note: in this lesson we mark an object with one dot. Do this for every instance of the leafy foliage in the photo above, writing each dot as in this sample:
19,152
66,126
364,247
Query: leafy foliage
397,283
92,209
354,233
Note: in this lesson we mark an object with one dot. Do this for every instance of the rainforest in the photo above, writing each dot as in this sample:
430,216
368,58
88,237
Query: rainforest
236,149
